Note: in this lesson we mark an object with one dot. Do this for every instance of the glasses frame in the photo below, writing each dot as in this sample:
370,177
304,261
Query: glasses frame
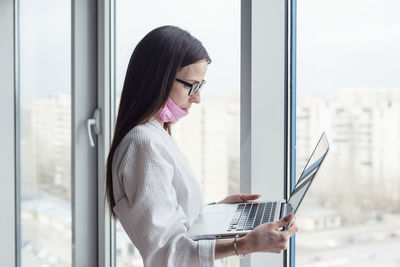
194,87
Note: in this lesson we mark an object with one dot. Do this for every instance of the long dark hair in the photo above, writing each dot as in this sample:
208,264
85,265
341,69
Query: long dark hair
151,72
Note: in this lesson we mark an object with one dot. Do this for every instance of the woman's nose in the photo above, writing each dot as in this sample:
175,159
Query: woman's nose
196,97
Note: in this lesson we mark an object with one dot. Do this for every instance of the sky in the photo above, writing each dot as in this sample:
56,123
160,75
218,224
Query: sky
340,43
215,23
347,44
45,48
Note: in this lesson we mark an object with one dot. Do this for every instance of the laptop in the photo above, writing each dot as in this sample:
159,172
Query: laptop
228,220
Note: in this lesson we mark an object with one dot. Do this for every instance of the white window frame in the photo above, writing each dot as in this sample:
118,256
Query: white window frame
265,102
105,102
83,157
8,115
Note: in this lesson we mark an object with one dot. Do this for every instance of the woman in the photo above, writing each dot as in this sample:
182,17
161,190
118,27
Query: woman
150,187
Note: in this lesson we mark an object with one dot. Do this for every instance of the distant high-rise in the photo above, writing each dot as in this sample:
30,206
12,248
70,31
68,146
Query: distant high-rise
46,146
364,132
210,139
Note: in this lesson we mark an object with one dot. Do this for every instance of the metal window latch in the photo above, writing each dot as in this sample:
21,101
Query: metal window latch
96,122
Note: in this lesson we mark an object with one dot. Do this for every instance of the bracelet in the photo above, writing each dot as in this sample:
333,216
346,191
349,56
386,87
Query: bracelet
235,247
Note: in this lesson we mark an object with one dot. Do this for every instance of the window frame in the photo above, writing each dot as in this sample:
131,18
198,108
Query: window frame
267,60
84,175
105,102
8,141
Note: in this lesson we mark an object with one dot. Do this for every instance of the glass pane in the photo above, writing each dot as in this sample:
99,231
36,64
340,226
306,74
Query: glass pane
209,136
45,123
348,85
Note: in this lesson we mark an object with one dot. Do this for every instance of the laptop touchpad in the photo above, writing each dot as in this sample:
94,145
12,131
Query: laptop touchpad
217,214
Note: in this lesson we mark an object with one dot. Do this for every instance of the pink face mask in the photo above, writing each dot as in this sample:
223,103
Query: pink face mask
171,112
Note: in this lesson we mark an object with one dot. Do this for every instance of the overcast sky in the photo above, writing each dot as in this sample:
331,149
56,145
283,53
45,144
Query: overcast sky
347,43
339,43
215,23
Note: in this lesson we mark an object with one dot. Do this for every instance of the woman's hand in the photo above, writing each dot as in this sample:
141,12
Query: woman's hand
267,237
239,198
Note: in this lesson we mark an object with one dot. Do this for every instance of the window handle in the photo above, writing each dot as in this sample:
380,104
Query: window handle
95,121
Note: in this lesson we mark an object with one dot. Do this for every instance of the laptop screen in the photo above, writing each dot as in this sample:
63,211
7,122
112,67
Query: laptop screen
308,174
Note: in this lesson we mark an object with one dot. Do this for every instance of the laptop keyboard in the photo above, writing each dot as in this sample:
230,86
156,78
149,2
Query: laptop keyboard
250,215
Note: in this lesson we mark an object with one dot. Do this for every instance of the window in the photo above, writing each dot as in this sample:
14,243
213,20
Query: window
347,85
71,78
45,133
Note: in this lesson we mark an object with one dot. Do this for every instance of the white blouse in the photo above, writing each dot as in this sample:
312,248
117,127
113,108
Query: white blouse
157,199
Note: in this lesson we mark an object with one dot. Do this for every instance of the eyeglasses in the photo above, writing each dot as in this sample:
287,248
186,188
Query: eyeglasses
194,87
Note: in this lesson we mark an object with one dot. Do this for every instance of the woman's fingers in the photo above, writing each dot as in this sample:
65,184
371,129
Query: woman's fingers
238,198
267,237
292,229
248,197
284,221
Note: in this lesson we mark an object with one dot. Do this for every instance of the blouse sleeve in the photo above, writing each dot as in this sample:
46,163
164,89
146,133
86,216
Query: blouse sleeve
151,215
